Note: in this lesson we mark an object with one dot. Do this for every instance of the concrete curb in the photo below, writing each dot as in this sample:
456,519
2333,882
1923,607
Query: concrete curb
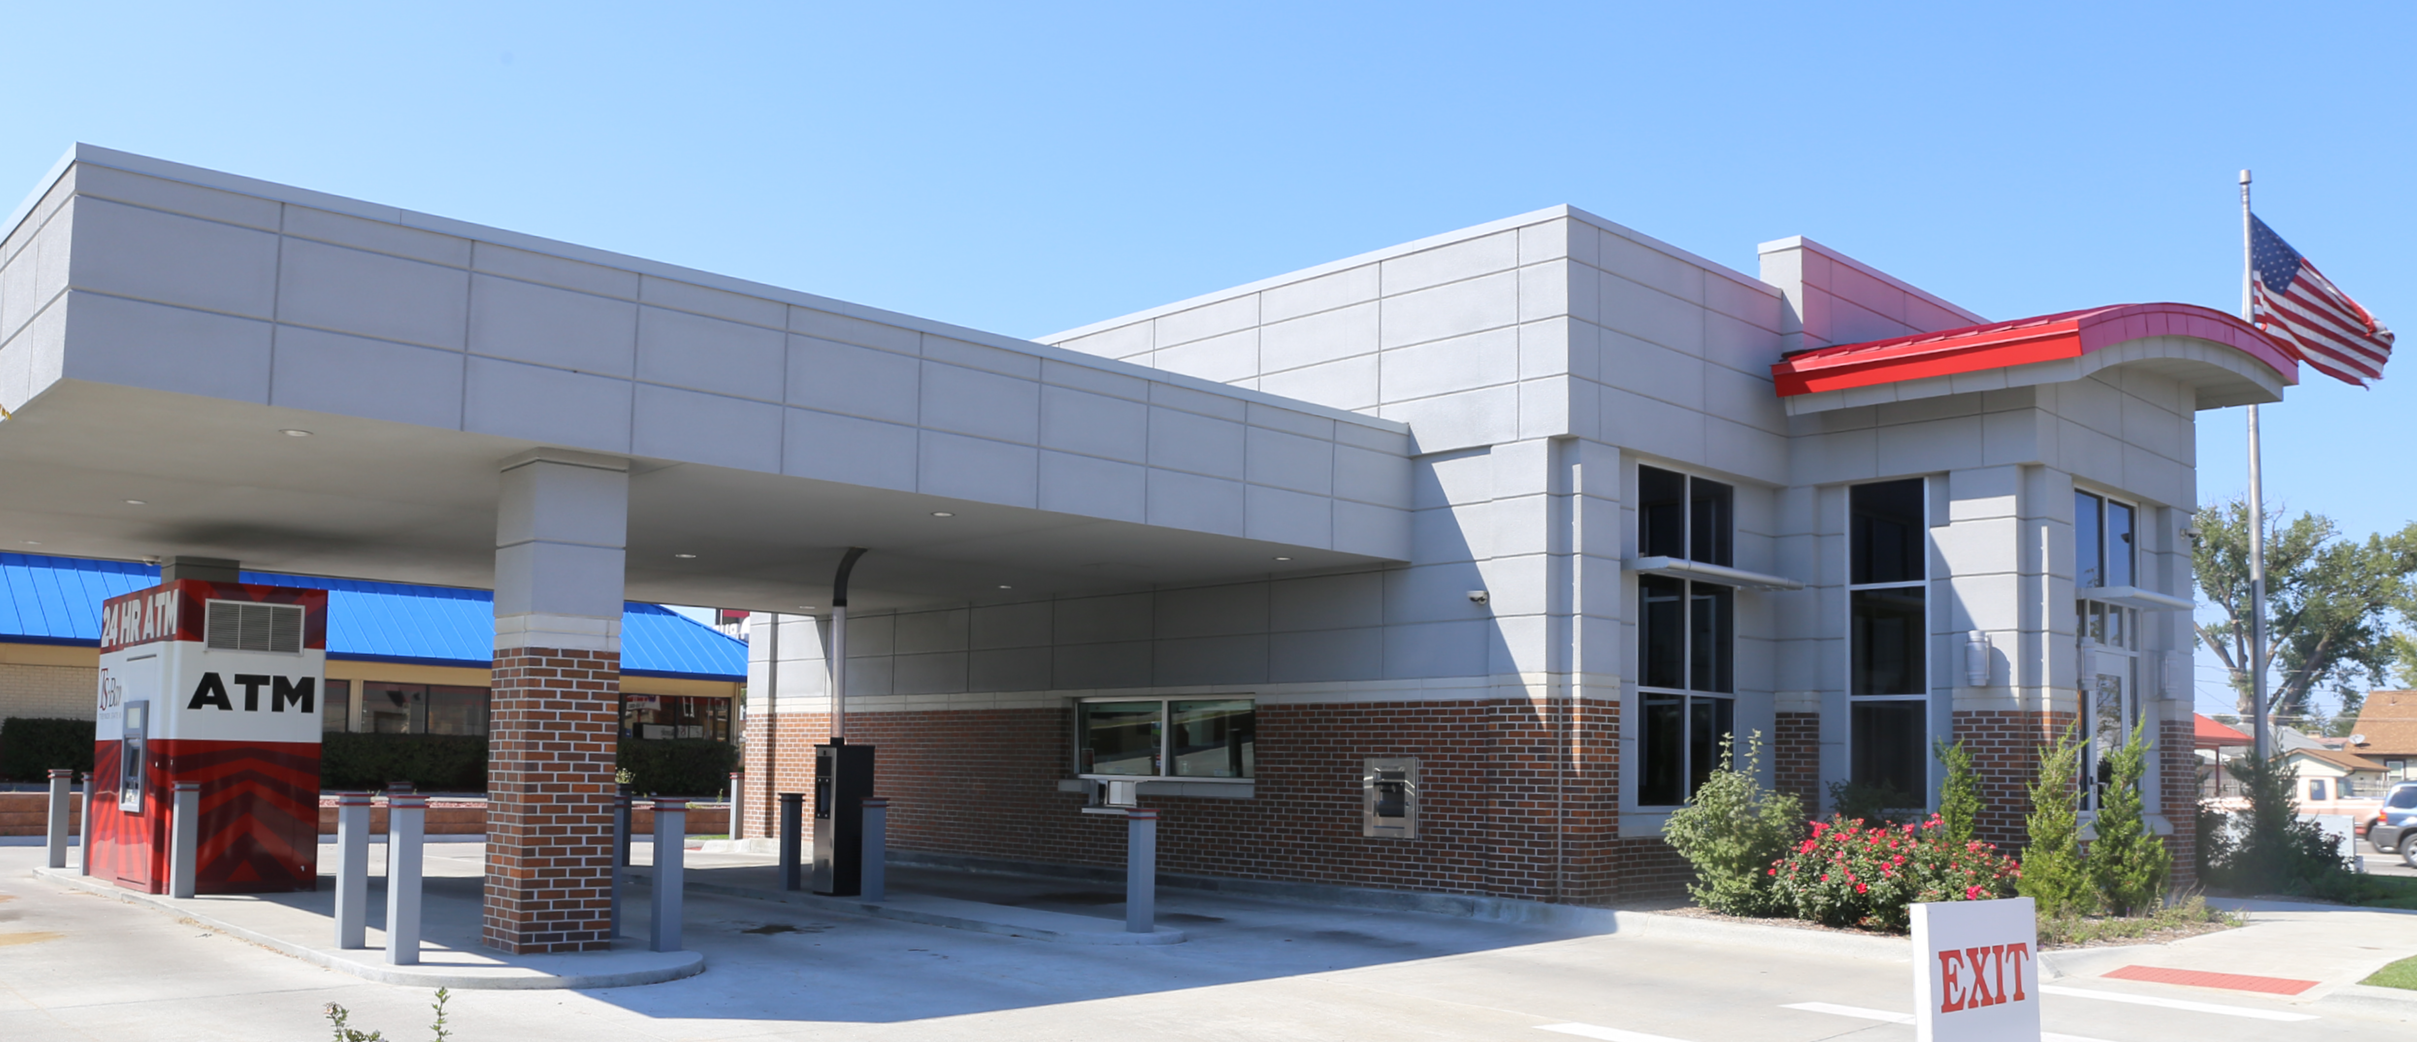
2369,1000
923,916
672,965
1764,938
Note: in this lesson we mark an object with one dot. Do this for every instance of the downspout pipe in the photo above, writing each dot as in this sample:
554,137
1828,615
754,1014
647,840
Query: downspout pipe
839,645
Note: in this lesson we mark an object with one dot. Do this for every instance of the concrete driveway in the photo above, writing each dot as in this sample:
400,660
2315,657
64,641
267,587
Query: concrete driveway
78,966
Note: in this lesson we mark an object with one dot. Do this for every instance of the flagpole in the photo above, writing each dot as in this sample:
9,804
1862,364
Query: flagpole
2257,515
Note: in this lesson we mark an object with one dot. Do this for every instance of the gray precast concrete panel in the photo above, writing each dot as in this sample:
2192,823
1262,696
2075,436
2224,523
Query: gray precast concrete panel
160,324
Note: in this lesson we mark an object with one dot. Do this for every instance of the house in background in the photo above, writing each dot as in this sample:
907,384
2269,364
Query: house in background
2386,732
400,659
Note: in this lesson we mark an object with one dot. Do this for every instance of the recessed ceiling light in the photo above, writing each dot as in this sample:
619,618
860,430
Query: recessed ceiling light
134,502
1283,558
292,433
686,557
1004,586
33,542
942,513
805,607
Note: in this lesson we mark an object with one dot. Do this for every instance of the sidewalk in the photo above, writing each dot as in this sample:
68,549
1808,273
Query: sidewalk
302,925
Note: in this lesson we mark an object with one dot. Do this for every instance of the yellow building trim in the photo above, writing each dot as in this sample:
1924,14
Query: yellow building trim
50,655
360,672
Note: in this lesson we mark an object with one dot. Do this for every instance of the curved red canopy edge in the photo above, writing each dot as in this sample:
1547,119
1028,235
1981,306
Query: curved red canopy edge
1999,345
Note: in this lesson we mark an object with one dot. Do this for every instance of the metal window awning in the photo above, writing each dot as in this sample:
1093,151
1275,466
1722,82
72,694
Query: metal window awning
1681,568
2135,597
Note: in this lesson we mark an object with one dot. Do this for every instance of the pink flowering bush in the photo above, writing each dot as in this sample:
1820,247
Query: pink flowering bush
1852,874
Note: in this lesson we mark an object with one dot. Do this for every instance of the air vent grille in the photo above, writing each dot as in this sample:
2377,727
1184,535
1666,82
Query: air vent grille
251,626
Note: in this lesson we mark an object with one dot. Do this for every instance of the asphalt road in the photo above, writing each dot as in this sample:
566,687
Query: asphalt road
77,966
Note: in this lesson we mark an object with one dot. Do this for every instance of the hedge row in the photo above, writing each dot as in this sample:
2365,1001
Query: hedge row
30,747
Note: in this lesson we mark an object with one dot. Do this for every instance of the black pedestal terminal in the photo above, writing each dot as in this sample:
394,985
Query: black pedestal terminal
792,829
843,777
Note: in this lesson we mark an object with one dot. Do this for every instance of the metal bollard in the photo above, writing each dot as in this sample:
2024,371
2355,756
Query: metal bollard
736,830
352,870
620,850
1141,871
671,834
184,841
84,854
792,840
876,852
61,780
406,818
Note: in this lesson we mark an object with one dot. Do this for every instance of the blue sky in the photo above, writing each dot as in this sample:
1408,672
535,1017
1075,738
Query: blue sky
1033,167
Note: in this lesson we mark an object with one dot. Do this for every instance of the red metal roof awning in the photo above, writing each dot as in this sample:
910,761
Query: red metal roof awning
1999,345
2208,734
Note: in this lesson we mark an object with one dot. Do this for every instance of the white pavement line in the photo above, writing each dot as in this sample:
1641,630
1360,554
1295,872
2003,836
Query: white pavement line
1851,1011
1903,1018
1606,1034
2152,1000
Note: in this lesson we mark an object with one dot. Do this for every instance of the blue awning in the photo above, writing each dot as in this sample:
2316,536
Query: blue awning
57,600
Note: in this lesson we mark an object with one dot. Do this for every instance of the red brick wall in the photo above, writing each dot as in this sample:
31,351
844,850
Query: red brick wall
28,813
2178,764
2005,744
1495,777
1796,758
551,745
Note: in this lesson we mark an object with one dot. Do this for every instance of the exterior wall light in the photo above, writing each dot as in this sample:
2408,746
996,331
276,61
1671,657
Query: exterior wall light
1977,666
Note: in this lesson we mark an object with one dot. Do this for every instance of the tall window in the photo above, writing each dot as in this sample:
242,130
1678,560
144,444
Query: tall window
1686,635
2108,634
1889,631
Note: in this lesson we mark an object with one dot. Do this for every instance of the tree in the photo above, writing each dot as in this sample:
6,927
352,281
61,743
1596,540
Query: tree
2053,875
2127,862
1732,829
2329,602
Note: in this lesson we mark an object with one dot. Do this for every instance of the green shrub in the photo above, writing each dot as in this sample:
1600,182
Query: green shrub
2052,869
678,766
430,762
1863,801
2273,850
1852,874
1960,803
1731,830
2127,862
30,746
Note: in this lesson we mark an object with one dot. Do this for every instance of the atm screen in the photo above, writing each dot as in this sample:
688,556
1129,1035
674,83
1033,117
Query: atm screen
131,759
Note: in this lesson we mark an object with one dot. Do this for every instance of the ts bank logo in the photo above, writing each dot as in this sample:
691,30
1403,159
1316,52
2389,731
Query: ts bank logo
298,692
1976,978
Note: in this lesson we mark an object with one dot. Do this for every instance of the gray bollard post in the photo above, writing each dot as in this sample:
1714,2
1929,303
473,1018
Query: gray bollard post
61,781
671,834
1141,871
352,870
876,850
406,818
735,829
184,843
792,840
84,831
620,850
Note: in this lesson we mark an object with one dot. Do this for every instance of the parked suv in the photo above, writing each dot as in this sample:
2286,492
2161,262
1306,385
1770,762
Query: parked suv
2395,822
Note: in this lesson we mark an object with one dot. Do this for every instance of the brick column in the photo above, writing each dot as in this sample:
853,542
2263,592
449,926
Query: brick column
554,729
1795,753
2178,759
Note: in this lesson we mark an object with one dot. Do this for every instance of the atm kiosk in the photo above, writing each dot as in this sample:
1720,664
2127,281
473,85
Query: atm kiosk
216,683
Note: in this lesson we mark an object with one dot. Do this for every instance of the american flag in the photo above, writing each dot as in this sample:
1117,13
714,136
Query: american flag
2298,306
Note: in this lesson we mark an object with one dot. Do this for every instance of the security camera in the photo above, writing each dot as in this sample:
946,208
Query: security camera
1477,597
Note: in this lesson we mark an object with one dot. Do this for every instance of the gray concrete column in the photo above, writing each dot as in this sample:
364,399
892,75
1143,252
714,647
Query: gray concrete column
561,524
1141,871
406,818
671,851
184,842
871,889
352,870
61,781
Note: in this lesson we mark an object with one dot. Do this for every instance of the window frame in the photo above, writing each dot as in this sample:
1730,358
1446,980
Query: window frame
1166,738
1920,584
1688,694
2095,621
